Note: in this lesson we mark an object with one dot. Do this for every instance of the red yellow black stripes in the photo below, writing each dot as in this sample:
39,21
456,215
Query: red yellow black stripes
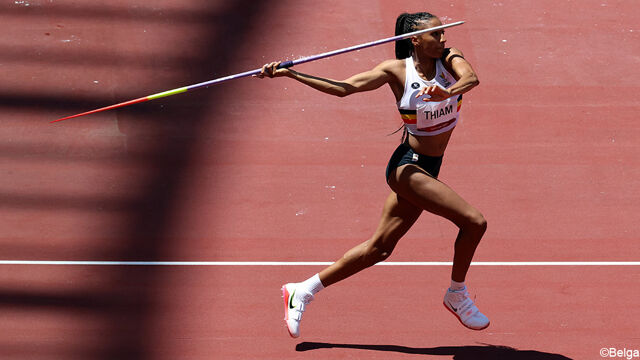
409,116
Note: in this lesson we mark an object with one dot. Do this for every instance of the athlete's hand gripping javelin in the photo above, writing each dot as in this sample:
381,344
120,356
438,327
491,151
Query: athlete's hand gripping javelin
271,70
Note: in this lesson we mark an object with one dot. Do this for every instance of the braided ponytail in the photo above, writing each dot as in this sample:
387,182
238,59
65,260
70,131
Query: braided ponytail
403,47
406,23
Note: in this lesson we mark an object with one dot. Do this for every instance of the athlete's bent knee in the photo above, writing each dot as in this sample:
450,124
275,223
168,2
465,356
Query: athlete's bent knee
475,221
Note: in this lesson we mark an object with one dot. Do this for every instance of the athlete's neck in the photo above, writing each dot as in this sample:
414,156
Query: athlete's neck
426,67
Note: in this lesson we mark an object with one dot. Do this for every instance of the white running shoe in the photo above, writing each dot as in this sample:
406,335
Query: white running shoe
461,305
295,301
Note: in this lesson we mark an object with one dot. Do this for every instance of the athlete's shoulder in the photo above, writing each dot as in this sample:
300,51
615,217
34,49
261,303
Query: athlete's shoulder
392,66
451,53
391,63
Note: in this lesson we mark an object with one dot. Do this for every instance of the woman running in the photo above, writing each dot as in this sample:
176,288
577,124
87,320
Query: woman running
428,81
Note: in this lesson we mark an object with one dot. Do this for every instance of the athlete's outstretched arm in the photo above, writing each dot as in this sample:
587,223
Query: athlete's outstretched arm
365,81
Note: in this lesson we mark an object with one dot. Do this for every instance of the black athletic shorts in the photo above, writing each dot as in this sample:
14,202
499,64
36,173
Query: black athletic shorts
404,154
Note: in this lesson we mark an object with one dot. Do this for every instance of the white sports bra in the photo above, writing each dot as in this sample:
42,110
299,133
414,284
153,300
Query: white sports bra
428,118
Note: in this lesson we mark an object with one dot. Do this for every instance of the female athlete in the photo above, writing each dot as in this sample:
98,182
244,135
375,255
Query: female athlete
428,81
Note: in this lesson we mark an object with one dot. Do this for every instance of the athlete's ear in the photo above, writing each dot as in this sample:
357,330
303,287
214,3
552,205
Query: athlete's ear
415,41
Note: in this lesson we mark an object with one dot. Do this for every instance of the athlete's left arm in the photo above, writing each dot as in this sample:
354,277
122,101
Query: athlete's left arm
461,70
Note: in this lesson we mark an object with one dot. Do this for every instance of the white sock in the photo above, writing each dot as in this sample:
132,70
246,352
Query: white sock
312,285
457,286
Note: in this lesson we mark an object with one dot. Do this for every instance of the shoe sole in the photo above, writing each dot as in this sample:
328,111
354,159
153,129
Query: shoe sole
285,296
463,324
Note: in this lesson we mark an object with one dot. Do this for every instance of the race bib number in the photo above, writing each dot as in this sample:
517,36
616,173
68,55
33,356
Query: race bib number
433,116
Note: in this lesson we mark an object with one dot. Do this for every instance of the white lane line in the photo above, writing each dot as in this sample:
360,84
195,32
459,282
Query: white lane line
312,263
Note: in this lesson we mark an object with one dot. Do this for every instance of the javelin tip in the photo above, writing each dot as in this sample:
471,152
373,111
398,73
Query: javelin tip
130,102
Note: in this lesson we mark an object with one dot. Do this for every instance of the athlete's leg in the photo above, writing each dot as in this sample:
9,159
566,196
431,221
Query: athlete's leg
415,185
398,215
425,192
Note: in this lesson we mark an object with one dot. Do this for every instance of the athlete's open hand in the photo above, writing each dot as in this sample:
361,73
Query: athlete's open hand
271,70
435,93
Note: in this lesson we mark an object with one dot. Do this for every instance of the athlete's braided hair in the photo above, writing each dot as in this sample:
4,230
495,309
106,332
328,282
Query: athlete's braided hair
406,23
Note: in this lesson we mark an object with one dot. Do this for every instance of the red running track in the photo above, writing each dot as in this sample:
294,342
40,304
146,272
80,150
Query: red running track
266,170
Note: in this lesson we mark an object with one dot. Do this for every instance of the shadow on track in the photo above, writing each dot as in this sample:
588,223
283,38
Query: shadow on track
476,352
88,312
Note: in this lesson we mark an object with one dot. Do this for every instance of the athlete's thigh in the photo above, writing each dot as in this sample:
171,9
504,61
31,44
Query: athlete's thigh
432,195
398,215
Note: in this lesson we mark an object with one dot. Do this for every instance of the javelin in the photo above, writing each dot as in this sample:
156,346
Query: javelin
286,64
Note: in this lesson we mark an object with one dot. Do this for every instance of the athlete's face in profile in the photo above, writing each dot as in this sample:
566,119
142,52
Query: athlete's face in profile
431,44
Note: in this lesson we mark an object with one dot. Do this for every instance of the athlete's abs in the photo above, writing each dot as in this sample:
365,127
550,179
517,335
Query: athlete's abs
430,145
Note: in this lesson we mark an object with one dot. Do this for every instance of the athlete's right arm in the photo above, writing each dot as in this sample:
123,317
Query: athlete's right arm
365,81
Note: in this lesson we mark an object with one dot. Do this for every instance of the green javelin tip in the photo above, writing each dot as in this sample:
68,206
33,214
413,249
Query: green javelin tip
168,93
